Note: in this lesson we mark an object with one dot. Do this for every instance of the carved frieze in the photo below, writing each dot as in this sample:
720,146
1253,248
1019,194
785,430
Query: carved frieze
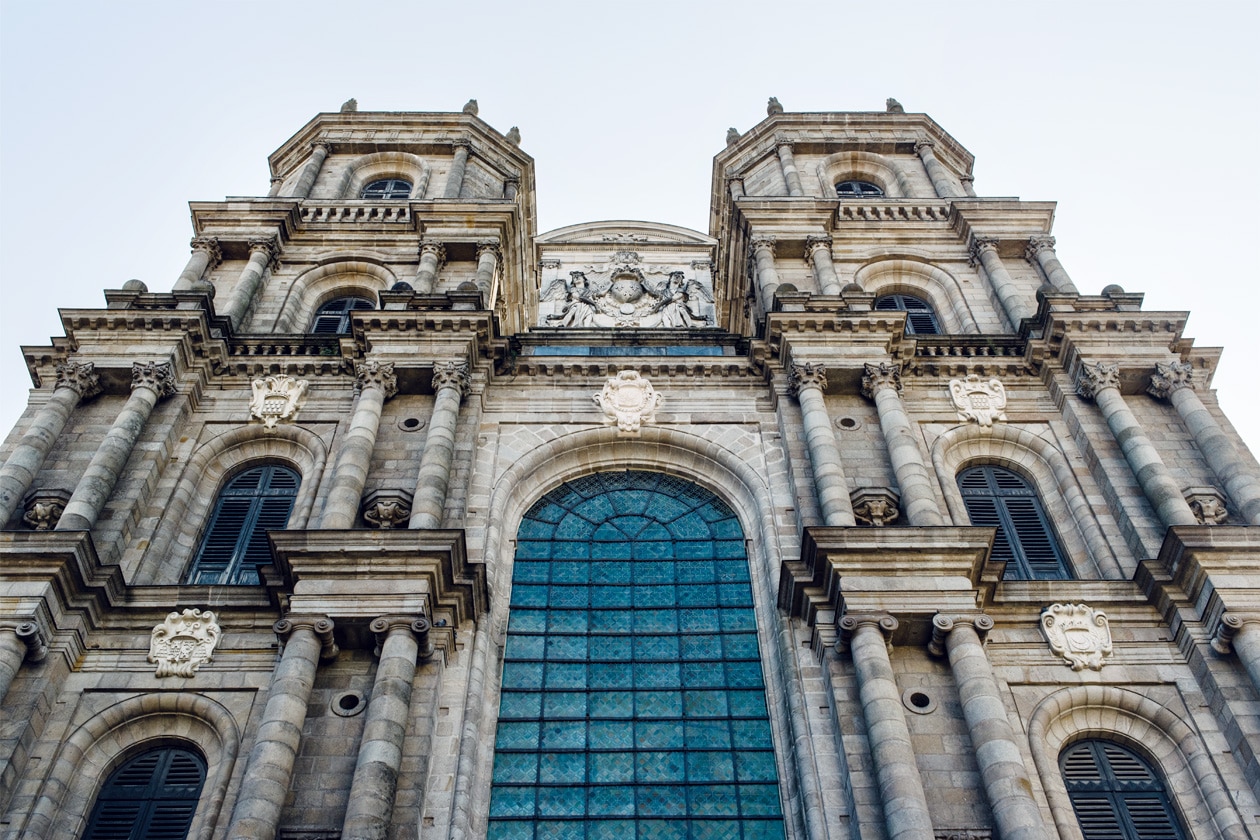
978,399
1078,633
629,401
277,398
184,642
624,293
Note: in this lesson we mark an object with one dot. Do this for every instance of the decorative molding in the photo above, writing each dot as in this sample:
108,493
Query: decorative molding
80,377
807,375
43,508
158,377
629,401
1078,633
184,642
277,397
881,375
375,374
983,401
451,375
875,506
1207,504
387,508
1097,377
1170,377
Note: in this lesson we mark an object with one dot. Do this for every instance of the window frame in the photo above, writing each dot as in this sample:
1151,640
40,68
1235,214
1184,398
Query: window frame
391,189
915,317
239,528
1021,522
1107,795
347,306
862,189
148,798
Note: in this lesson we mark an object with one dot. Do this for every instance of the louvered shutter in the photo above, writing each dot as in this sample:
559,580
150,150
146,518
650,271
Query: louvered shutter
1116,795
151,797
920,318
1001,499
235,544
333,317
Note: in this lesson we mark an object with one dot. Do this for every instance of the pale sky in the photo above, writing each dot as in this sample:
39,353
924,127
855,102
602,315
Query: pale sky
1140,118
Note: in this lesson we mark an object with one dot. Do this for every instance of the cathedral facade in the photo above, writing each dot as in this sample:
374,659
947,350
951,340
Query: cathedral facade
853,517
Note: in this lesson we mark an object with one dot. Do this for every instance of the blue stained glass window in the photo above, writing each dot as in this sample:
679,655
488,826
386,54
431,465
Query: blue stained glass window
633,703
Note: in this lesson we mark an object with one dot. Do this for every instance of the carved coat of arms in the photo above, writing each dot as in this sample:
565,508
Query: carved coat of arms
628,400
1078,633
183,642
625,295
978,399
276,398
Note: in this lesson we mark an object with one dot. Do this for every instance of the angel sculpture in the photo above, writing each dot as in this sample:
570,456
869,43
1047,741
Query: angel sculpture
579,308
677,309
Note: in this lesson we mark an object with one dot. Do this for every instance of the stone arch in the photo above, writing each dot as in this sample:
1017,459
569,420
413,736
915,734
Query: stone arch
1150,729
863,166
188,510
685,456
356,276
118,733
911,275
1045,466
373,167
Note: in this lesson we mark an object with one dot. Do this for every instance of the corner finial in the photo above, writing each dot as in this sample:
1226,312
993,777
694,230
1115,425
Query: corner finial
514,135
893,106
470,107
350,106
773,107
732,136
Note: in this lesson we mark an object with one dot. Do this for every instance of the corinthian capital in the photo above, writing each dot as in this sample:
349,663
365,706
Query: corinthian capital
158,377
763,242
981,245
1170,377
924,145
808,375
80,377
374,374
209,244
451,375
437,249
269,246
489,246
1037,244
1097,377
882,375
816,243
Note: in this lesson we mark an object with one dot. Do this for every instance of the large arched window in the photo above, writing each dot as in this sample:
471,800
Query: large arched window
151,797
1116,794
998,498
333,318
235,544
632,699
390,189
920,319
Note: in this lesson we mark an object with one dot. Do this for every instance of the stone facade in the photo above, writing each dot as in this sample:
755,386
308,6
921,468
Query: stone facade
914,689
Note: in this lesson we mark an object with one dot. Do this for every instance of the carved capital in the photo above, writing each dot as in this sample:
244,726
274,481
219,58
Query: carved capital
321,146
1170,377
32,634
761,243
1037,244
1097,377
808,375
489,246
981,245
452,375
1230,625
320,625
433,248
816,243
268,245
924,147
209,244
158,377
850,623
462,143
374,374
419,625
882,375
943,625
80,377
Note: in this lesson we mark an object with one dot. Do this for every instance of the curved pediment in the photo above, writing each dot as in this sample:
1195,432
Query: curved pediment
624,232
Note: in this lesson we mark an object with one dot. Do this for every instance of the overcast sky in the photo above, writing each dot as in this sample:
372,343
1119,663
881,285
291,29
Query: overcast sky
1141,119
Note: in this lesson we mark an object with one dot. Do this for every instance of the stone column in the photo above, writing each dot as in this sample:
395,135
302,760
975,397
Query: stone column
262,253
511,188
818,252
808,383
17,644
735,184
984,252
319,153
900,788
269,773
150,382
432,256
1006,781
941,179
1174,382
1240,632
487,264
205,255
75,381
1040,250
767,276
968,184
1101,383
400,640
787,163
376,383
276,183
455,177
450,382
881,383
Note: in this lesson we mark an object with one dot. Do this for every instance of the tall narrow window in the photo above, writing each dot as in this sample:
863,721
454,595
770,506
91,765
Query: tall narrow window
151,797
333,318
998,498
920,319
632,702
1116,794
235,545
390,189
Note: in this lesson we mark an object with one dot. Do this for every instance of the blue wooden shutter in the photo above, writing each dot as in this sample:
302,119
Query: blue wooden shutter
1116,795
998,498
235,544
152,797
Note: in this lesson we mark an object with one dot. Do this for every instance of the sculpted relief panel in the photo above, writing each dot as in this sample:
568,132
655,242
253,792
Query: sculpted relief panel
624,293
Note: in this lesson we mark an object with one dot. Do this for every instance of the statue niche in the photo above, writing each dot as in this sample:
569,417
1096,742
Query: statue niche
627,297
